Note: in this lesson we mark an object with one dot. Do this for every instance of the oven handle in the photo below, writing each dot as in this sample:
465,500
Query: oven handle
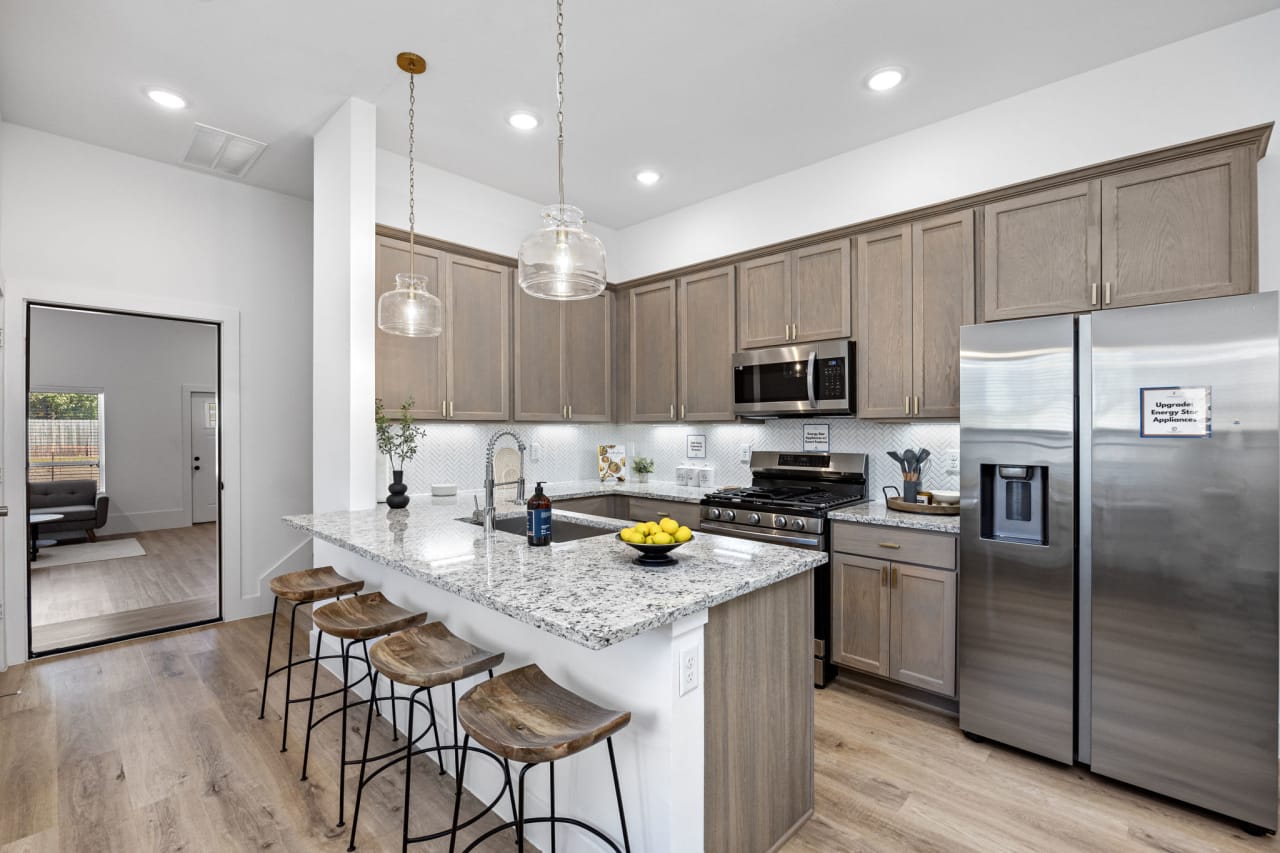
814,543
813,357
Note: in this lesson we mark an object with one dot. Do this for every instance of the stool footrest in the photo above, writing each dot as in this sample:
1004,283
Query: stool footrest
511,824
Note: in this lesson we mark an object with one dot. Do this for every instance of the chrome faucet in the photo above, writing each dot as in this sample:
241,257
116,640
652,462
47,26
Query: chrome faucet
487,514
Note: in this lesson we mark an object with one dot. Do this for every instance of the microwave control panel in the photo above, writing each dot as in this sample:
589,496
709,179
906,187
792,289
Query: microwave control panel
831,384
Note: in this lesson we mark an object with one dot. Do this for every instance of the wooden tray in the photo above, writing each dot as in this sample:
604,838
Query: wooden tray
923,509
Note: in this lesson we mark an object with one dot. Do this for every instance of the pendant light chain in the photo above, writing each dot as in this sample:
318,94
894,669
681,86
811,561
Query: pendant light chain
560,96
411,103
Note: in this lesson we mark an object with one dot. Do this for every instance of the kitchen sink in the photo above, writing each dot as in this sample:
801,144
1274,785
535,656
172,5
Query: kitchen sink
562,530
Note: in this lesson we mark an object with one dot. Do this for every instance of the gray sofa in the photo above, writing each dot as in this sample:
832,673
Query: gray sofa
83,507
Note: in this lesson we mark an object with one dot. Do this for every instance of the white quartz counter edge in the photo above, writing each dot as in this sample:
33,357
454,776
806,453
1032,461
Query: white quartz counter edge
570,489
878,514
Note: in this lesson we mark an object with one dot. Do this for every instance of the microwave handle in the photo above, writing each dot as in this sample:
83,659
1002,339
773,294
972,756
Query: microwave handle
813,357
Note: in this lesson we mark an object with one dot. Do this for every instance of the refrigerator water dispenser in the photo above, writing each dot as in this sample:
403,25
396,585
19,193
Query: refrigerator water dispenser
1014,505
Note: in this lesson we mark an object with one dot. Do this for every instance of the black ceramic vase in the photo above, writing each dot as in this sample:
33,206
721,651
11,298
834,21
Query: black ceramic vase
397,499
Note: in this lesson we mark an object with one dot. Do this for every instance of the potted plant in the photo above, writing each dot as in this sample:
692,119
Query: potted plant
398,441
643,467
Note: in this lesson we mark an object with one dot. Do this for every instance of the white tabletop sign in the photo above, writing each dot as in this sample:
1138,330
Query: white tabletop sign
816,437
695,446
1176,412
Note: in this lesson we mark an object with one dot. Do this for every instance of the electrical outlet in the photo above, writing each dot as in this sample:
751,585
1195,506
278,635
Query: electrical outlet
535,452
688,675
953,461
744,453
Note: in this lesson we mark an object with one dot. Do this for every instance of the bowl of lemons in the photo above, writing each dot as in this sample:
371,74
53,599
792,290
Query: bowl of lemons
655,540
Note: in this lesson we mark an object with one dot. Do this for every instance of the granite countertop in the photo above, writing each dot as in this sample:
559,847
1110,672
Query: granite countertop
879,513
587,591
593,488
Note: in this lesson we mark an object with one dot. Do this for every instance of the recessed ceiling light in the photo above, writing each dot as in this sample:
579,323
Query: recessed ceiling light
884,79
522,121
168,100
648,177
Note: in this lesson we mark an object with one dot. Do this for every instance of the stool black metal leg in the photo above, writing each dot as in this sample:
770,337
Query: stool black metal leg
311,706
617,789
364,761
408,766
457,797
551,769
453,695
431,703
342,752
271,638
520,814
288,681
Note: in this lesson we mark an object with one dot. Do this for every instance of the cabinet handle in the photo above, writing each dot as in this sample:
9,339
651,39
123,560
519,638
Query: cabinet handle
682,411
916,407
786,331
884,576
893,578
906,405
673,411
444,409
451,408
894,545
795,332
1093,294
1106,293
564,412
569,410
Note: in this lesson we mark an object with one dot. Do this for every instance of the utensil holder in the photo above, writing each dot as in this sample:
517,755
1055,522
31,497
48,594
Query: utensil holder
909,490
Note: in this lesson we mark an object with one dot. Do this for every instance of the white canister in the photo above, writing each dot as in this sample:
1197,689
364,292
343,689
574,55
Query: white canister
705,475
682,475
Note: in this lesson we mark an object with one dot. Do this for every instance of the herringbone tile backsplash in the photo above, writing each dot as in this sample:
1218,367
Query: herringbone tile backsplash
454,452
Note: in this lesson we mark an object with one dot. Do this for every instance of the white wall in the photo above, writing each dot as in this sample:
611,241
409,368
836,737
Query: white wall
140,364
86,225
1218,81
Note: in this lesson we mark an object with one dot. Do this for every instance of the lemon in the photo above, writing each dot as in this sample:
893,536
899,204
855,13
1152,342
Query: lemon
683,534
669,526
652,527
628,535
648,540
662,539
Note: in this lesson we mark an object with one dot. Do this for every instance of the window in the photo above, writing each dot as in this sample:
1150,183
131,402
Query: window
65,436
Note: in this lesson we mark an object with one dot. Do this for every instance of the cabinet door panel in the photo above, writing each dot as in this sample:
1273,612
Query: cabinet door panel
407,368
1179,230
539,368
884,323
653,352
478,321
923,642
1042,253
588,348
706,312
942,301
860,613
764,301
647,509
821,292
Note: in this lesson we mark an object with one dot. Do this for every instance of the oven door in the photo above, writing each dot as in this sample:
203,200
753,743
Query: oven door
805,379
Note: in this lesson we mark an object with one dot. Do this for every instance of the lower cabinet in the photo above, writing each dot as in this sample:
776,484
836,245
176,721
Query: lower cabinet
896,620
634,509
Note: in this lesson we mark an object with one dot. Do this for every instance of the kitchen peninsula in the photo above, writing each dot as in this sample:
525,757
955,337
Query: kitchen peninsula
716,756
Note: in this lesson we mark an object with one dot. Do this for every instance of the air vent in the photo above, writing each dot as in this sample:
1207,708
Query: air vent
223,151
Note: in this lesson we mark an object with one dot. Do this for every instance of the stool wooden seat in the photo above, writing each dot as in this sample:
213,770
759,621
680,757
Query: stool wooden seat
314,585
430,655
364,617
525,716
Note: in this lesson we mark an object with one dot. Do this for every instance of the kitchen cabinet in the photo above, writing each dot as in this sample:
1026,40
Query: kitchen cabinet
797,296
563,359
652,321
915,290
705,317
464,374
1167,232
891,615
651,509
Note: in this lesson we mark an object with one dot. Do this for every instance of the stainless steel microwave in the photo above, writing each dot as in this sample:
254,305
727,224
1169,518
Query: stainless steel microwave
795,381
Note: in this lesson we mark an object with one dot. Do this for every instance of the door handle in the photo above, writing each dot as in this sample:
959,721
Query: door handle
196,467
893,578
813,357
682,411
916,410
569,409
786,331
444,409
1093,294
564,412
1106,293
884,576
450,408
906,405
894,545
672,411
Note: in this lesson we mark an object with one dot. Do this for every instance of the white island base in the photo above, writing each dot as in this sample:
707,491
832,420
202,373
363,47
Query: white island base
719,752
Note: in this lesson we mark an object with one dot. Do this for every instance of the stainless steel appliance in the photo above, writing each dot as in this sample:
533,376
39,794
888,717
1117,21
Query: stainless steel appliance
787,504
794,381
1119,545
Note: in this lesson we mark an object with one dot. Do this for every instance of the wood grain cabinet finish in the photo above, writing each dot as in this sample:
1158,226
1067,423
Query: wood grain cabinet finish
860,621
649,509
477,318
797,296
922,641
409,368
652,316
563,363
885,316
705,317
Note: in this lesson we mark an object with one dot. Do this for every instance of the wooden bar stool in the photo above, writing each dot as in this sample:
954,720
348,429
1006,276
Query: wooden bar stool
353,620
424,657
304,587
523,715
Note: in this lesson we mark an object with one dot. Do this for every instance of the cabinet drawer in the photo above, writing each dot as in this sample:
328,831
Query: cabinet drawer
601,505
893,543
646,509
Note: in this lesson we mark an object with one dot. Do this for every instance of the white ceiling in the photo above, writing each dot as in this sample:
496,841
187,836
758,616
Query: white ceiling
715,94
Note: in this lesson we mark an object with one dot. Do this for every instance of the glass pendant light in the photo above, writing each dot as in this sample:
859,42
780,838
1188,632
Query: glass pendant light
410,310
561,260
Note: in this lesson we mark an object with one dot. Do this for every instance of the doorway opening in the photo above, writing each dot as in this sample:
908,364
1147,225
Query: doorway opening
123,476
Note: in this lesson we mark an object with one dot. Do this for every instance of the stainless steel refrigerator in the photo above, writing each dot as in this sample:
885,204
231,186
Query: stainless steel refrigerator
1120,553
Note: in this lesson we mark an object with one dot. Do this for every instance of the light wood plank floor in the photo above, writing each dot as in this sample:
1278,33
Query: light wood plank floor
155,745
174,583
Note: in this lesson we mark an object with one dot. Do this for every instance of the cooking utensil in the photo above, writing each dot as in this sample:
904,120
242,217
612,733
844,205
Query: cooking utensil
896,457
909,457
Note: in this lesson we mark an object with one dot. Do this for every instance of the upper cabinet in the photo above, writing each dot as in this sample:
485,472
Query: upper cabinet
790,297
652,322
563,359
1176,230
464,374
915,290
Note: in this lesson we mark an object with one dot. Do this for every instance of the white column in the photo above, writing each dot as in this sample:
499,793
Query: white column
345,181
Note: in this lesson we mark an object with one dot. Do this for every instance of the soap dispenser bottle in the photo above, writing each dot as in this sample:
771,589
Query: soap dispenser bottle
538,513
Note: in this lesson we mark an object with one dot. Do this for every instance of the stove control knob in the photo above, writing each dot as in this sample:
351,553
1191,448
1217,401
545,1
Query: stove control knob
754,518
713,513
797,523
727,515
779,521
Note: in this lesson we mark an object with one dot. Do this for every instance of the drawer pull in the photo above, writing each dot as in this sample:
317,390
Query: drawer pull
894,545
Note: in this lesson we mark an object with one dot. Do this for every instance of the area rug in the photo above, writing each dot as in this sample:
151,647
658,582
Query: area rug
88,552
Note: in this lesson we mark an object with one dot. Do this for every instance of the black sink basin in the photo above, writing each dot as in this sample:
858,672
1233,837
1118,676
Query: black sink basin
562,530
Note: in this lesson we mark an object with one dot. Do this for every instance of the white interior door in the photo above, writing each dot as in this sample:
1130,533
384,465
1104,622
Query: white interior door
204,457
